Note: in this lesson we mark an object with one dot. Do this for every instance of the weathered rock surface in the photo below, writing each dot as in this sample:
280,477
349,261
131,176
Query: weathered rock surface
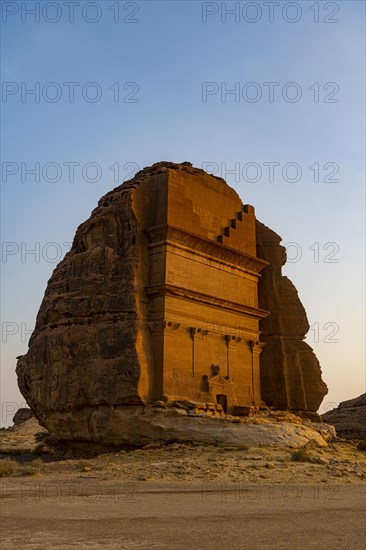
83,352
120,326
349,418
137,426
290,371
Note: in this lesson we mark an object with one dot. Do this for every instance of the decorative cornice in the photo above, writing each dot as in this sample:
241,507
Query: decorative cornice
172,290
167,234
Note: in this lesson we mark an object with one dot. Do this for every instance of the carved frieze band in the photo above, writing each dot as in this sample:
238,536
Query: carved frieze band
167,234
164,289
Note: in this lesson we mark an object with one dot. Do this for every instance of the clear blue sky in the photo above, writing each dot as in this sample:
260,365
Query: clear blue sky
160,56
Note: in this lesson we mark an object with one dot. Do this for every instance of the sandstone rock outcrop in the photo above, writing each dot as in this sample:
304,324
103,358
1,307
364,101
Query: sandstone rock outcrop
138,426
158,299
22,415
349,418
290,371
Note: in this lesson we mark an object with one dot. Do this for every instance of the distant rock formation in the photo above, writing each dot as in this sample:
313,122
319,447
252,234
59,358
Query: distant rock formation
161,298
22,415
349,418
22,437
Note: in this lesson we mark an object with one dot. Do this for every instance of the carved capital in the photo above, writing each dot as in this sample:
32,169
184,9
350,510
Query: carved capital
256,346
170,327
156,327
198,333
232,341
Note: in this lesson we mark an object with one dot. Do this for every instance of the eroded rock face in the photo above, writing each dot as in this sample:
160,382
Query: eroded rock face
290,371
159,287
82,354
349,418
137,426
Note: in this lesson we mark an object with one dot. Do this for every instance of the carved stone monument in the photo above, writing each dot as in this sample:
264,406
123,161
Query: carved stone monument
163,296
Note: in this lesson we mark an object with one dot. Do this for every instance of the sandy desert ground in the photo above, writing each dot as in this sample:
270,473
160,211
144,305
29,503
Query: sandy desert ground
187,496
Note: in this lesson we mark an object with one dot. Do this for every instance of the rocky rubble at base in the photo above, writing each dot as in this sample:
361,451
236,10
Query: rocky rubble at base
181,422
206,465
274,447
139,427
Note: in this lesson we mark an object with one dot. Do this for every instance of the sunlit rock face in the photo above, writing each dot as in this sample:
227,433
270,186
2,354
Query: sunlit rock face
163,296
